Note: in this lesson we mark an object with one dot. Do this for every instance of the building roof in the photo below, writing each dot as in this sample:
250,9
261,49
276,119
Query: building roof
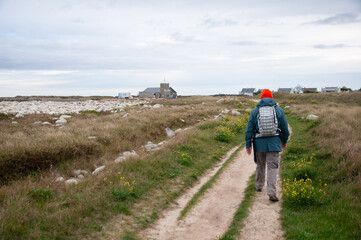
152,90
331,88
172,90
288,90
248,90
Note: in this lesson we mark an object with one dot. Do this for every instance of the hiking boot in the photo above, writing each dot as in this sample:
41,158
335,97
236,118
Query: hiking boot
273,198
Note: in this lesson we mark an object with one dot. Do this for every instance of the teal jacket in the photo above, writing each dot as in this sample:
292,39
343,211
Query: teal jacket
267,144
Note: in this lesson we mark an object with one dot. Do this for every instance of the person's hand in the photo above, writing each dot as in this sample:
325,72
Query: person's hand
249,151
284,145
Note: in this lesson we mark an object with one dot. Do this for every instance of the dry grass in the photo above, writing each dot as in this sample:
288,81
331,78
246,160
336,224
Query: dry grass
353,98
339,133
27,147
70,212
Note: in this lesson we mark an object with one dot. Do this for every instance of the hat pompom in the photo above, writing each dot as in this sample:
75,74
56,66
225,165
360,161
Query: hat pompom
266,93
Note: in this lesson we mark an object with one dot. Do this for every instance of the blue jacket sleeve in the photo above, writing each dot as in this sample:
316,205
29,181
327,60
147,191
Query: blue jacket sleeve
283,126
251,127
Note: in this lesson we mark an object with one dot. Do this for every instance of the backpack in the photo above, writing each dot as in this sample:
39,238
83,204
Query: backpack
267,122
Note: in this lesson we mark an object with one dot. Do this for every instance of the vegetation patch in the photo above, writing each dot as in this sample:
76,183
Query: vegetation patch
318,203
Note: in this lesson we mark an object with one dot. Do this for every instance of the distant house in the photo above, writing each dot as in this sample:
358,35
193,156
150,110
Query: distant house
164,91
124,95
309,90
286,90
247,91
330,89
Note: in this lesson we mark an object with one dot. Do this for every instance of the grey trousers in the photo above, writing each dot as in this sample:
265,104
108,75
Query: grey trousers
272,159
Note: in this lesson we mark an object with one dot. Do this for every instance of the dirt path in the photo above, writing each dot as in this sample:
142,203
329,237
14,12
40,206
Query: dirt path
213,214
263,222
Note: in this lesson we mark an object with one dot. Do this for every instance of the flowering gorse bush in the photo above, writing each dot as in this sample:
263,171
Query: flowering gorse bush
123,188
302,192
224,133
230,126
304,162
184,158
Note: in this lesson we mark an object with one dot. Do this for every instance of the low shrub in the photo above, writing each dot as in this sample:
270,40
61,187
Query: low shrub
184,158
302,192
122,189
41,194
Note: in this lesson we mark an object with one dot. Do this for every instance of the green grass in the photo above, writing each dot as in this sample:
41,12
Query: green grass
83,209
242,212
207,186
338,215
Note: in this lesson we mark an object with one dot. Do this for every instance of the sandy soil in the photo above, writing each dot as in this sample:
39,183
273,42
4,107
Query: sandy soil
213,214
263,222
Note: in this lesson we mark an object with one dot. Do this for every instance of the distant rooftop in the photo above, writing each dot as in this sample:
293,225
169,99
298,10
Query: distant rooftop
152,90
248,90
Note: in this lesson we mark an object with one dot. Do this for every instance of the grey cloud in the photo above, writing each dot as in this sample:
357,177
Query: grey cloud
323,46
338,19
212,23
180,38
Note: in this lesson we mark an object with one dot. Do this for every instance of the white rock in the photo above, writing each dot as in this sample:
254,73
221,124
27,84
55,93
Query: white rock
221,100
219,116
170,132
61,121
158,106
182,120
126,115
46,123
79,172
130,154
178,130
71,181
98,170
80,176
287,107
119,159
92,137
14,122
64,116
59,179
151,146
235,113
312,117
37,122
203,103
19,115
161,143
225,111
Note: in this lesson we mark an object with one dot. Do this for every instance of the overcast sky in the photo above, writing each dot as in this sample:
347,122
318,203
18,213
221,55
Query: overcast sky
102,47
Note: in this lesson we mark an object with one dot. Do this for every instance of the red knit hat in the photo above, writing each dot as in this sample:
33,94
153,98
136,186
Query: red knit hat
266,93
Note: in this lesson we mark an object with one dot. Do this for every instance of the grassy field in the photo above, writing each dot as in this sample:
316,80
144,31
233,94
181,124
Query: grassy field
33,206
321,167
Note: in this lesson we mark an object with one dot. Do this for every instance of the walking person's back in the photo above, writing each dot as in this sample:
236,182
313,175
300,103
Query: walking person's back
267,130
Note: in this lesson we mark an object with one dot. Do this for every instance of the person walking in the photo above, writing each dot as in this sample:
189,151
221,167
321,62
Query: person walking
267,131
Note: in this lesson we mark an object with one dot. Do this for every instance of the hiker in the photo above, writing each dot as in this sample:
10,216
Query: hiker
267,131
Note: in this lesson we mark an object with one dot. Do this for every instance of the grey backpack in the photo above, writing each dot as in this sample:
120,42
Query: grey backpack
267,122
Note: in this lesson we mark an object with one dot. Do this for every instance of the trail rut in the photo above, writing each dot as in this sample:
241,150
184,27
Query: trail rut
213,214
